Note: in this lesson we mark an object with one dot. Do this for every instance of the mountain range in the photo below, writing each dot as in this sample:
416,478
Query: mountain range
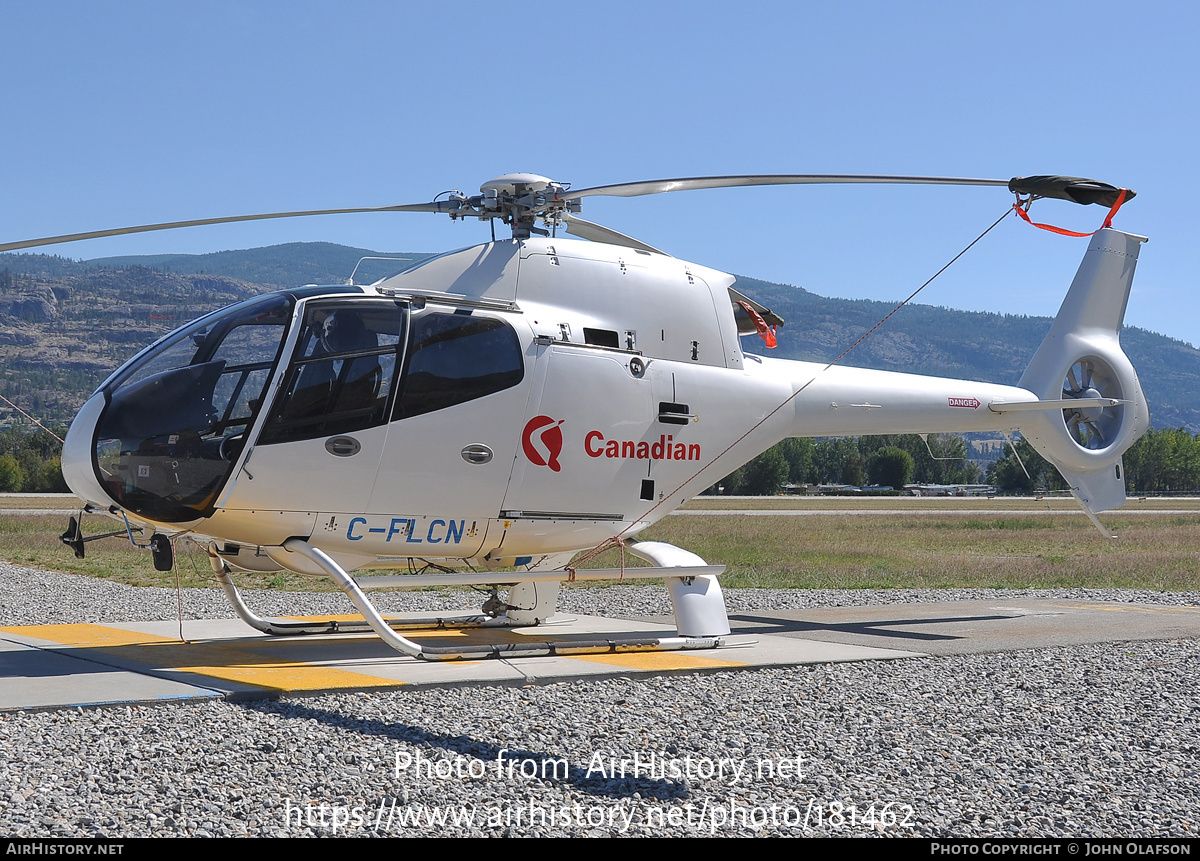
65,324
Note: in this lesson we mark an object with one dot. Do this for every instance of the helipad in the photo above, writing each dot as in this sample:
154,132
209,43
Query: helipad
85,665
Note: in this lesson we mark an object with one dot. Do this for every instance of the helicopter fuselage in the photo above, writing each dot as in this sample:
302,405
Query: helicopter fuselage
499,403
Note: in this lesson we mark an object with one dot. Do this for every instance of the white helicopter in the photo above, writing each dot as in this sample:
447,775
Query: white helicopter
502,407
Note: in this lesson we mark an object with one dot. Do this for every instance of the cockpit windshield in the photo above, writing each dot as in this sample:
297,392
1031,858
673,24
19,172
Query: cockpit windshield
177,417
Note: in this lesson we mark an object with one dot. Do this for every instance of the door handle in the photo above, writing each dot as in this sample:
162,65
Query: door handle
343,446
476,453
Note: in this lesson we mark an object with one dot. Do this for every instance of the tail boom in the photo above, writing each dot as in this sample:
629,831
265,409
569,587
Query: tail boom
1079,403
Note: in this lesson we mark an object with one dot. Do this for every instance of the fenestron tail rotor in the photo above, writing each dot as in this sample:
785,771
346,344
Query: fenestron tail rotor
1093,427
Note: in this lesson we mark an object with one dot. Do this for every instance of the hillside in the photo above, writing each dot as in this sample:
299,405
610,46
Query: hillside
278,266
64,324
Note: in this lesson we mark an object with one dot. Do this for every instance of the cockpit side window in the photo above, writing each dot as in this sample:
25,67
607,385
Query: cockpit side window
457,357
340,377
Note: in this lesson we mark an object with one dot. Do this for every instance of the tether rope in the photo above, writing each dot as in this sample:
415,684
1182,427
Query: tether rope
31,418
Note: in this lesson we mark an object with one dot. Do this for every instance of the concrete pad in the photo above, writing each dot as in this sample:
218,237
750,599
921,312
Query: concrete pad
972,627
52,666
35,678
145,661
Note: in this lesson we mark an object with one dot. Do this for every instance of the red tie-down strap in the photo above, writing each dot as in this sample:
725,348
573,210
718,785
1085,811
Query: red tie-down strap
767,333
1022,208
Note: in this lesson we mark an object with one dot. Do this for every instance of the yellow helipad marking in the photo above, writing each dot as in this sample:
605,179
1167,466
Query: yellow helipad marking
252,662
215,660
656,661
406,633
88,635
1151,610
221,663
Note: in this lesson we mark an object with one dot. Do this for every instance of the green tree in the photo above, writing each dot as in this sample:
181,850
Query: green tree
838,461
1163,461
1007,474
36,455
12,477
732,483
890,466
766,473
798,452
52,477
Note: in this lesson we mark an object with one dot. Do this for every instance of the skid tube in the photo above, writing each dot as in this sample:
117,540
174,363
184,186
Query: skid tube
277,628
384,628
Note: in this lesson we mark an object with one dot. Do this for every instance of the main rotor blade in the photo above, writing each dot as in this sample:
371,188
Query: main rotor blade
599,233
436,206
660,186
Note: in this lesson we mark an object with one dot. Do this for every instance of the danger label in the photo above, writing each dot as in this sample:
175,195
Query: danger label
969,403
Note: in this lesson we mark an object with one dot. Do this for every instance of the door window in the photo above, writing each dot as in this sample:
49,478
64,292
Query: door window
457,357
341,374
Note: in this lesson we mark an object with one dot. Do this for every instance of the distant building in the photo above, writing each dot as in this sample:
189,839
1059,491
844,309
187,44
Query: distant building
950,489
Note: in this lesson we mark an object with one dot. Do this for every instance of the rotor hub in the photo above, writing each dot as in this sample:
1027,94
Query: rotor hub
1092,427
1091,414
518,183
519,200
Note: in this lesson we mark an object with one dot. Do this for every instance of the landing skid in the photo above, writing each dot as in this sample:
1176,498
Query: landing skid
699,606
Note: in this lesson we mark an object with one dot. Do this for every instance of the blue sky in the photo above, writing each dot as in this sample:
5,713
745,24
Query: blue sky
127,113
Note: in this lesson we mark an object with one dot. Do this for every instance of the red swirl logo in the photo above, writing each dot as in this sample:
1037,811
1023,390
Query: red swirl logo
542,441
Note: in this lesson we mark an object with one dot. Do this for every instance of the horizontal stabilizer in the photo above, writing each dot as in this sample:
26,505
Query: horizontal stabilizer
1059,404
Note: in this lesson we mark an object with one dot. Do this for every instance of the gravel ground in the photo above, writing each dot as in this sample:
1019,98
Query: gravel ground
1083,741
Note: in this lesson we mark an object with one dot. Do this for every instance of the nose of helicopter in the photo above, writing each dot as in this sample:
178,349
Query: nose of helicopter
160,437
77,454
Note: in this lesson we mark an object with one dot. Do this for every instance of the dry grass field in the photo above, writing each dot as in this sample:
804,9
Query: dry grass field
841,543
